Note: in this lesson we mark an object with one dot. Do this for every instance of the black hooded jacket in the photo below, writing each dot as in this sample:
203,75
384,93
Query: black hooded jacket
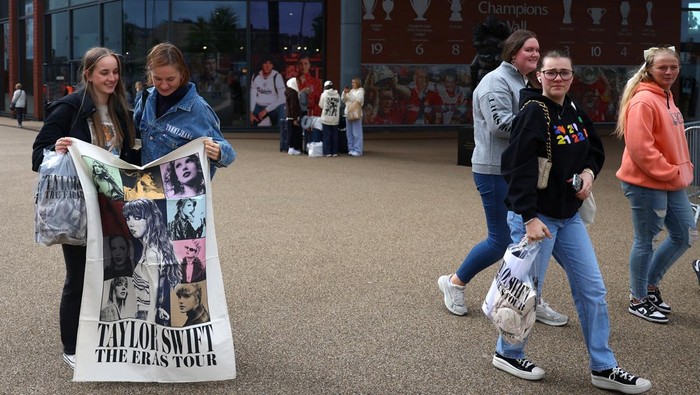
575,146
67,118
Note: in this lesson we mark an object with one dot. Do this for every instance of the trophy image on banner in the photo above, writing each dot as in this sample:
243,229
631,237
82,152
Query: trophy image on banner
456,8
369,9
649,22
596,14
388,6
624,12
420,7
567,12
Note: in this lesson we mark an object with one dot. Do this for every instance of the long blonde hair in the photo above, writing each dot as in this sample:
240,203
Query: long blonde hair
642,75
117,106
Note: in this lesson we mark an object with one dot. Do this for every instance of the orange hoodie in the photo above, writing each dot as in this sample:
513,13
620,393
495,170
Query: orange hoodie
656,151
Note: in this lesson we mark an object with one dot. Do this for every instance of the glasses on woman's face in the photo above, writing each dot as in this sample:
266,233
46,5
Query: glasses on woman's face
190,249
551,75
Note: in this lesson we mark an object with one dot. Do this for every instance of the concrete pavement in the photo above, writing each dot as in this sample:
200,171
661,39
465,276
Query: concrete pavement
330,268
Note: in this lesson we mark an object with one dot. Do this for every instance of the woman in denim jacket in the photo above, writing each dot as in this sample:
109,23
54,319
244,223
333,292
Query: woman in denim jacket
173,113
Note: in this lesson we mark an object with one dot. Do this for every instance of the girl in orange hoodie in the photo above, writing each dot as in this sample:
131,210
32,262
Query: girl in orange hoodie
655,171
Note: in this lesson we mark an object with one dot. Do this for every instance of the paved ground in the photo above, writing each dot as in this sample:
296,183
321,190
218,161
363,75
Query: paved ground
330,268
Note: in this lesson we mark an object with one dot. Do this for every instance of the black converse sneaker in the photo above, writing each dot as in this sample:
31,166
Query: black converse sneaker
617,379
645,309
655,299
521,368
696,268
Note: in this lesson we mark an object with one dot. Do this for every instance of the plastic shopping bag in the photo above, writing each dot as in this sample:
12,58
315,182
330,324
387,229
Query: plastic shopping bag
510,302
60,214
315,149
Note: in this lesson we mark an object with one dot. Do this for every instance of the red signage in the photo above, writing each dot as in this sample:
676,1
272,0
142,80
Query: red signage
593,31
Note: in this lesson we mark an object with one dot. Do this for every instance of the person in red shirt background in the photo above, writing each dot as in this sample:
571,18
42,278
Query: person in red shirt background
309,86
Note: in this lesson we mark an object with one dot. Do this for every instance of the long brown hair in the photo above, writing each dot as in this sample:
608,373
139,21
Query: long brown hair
117,107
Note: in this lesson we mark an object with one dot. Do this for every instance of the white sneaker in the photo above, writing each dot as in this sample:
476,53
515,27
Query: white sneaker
354,153
548,316
293,151
70,360
454,295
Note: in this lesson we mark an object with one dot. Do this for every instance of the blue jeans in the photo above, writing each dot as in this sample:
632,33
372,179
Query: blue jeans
651,210
353,130
493,189
573,248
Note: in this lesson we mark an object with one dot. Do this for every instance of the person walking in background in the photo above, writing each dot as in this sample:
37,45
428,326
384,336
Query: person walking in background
19,103
96,113
330,117
174,113
655,171
496,101
354,99
291,94
550,216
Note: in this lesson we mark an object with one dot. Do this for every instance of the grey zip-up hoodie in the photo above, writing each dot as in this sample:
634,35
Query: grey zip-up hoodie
495,103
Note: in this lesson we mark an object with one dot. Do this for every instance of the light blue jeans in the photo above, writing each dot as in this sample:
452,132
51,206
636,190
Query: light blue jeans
353,131
574,251
651,210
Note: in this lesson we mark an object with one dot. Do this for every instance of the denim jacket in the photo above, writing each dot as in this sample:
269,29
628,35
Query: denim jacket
191,118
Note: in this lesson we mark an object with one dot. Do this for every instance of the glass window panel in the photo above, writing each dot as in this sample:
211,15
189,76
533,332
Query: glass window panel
78,2
212,35
4,9
4,74
26,7
26,50
85,30
135,30
58,38
292,33
56,4
112,26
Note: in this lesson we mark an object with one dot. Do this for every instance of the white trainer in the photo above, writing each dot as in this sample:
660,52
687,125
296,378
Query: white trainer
548,316
454,295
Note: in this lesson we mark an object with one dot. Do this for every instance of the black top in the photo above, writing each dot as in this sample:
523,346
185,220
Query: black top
575,146
163,103
68,117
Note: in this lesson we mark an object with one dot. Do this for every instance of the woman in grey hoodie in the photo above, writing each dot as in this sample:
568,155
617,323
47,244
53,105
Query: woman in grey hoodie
495,103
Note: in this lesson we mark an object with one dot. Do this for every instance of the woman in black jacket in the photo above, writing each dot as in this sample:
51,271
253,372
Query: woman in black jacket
549,125
96,113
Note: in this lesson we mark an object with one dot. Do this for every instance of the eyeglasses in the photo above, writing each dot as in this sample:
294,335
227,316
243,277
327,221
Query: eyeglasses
551,75
190,249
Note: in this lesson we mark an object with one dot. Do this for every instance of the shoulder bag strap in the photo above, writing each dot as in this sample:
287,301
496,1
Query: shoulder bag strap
549,122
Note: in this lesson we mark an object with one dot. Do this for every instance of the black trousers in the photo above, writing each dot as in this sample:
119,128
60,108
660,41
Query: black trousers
69,312
19,114
295,136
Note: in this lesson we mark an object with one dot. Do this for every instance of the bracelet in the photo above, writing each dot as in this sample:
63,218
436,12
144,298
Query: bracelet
530,220
589,171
